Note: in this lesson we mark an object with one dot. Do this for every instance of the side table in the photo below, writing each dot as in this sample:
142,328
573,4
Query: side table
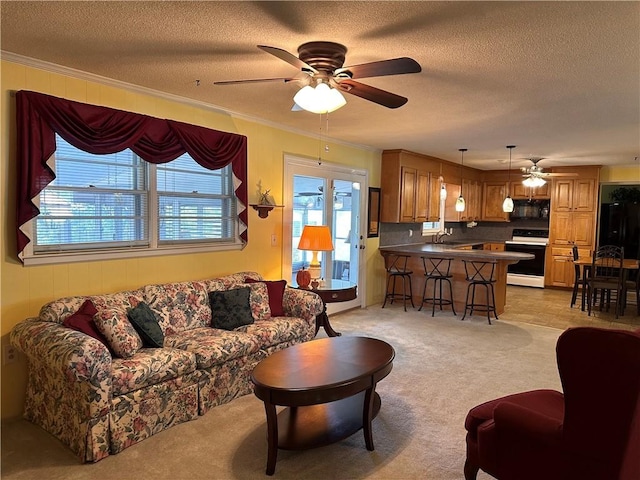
333,291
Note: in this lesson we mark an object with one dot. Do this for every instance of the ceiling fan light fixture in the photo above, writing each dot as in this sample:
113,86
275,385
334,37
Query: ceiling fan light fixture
533,181
321,99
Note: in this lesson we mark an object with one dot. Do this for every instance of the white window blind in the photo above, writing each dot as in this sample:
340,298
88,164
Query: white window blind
95,201
108,202
194,204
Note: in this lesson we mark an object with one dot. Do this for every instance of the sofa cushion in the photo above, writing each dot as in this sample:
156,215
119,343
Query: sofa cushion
230,309
150,366
279,330
119,300
145,323
275,290
115,326
258,300
236,278
213,346
179,306
82,321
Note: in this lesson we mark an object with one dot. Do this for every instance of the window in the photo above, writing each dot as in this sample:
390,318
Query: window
118,201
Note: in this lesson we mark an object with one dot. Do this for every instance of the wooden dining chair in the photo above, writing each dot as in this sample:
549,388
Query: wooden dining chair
580,279
607,276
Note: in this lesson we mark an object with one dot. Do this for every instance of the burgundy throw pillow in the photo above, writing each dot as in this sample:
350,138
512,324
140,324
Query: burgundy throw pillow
82,321
275,289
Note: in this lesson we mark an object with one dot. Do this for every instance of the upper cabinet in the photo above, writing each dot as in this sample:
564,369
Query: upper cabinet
538,193
494,194
574,195
410,185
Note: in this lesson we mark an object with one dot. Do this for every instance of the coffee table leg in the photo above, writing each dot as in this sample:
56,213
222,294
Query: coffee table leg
367,417
272,437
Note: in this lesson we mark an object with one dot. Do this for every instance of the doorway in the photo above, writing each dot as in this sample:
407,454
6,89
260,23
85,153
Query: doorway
326,194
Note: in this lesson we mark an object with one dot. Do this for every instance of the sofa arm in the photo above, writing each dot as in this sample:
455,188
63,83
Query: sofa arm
66,368
302,303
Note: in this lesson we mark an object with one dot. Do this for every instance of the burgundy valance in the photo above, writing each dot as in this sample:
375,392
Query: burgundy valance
102,130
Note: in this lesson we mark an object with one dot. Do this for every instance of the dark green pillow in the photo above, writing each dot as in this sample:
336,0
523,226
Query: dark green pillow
230,309
145,323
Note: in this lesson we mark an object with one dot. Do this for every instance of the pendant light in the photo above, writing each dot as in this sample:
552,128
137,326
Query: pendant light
460,205
507,205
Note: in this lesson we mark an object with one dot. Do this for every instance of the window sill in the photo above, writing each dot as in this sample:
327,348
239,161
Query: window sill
75,257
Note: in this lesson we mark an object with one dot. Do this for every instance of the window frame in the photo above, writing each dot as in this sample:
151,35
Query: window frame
155,247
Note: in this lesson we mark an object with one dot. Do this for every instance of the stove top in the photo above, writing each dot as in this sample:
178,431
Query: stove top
532,236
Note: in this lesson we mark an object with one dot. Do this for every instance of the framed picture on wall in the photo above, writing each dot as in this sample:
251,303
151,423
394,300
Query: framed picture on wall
373,225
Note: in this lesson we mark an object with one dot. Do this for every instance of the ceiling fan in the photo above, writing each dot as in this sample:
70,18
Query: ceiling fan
534,171
321,63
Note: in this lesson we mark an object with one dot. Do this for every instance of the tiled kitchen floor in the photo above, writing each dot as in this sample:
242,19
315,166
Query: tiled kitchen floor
550,307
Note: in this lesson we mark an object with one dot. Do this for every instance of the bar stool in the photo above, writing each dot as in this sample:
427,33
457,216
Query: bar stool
396,266
437,270
480,273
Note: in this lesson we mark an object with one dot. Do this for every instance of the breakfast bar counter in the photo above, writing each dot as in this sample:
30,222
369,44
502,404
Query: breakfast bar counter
457,253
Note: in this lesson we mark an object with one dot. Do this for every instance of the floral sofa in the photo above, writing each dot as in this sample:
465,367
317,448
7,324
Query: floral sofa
99,402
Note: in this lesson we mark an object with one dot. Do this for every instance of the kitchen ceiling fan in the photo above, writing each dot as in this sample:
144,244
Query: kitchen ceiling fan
321,64
535,171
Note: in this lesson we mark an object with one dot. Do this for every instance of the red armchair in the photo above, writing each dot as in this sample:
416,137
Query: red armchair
591,432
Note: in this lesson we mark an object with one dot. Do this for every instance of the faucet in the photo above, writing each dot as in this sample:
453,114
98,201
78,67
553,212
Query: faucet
439,237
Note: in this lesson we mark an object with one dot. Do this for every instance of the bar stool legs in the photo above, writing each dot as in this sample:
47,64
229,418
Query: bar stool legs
480,274
438,271
396,266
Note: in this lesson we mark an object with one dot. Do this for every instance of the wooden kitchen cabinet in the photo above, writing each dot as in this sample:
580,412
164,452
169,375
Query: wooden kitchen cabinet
520,191
572,221
574,195
410,188
414,195
472,192
494,194
494,247
560,269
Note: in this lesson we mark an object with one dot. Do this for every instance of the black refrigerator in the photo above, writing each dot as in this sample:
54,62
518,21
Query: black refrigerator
620,225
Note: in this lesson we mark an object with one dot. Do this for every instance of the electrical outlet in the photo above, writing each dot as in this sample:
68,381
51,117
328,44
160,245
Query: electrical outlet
9,354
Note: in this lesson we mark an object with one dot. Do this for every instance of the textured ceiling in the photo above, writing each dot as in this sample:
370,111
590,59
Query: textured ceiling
560,80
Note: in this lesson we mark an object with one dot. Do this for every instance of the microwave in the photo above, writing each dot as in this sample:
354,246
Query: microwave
530,209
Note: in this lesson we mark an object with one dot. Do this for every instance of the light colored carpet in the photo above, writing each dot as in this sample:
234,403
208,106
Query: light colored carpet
443,367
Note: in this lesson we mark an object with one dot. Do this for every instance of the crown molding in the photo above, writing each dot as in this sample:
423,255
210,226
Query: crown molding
92,77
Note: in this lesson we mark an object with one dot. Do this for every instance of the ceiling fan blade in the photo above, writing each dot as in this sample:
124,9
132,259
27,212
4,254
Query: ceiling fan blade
381,97
256,80
290,58
394,66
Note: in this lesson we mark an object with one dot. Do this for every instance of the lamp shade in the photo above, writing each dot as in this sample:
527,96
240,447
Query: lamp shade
316,238
507,205
534,181
321,99
460,204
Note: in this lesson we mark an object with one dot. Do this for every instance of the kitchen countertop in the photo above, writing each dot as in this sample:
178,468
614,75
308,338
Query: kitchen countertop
455,251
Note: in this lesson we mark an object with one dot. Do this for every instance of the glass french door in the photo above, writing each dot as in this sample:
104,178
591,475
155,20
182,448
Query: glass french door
326,195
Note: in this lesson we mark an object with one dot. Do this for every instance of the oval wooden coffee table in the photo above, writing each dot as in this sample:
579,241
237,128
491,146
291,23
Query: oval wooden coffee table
329,386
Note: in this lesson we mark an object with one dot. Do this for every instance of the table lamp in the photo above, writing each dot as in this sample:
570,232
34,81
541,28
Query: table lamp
315,238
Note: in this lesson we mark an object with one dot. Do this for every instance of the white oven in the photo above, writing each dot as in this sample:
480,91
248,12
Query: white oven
528,273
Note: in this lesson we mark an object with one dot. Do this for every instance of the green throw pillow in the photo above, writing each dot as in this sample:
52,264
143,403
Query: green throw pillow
146,324
230,309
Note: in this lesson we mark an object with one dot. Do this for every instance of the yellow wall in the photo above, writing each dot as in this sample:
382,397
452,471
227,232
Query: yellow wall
23,290
623,174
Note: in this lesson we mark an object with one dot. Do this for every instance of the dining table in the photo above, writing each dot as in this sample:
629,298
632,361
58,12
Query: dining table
628,265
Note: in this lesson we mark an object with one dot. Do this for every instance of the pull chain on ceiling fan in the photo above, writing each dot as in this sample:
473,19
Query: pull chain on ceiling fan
324,78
